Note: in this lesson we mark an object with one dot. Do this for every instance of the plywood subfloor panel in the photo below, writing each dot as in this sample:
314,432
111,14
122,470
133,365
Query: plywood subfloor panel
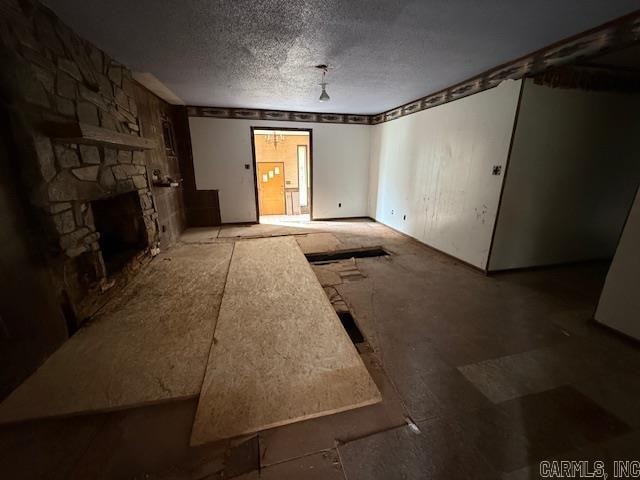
280,353
200,235
149,346
318,242
264,230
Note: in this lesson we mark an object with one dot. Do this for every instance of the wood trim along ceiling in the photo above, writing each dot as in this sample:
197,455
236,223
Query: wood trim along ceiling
280,115
609,36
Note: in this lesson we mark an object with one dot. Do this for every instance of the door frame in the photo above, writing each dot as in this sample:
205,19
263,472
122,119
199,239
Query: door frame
255,163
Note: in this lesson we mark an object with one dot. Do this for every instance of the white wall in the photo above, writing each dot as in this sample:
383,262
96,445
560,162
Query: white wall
571,178
435,167
619,302
221,148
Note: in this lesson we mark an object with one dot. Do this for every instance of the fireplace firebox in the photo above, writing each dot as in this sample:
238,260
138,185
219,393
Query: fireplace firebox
123,235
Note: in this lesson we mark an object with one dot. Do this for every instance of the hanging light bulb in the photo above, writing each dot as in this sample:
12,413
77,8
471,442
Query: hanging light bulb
324,96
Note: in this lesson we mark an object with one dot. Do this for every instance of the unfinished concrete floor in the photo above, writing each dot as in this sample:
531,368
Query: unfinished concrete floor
497,373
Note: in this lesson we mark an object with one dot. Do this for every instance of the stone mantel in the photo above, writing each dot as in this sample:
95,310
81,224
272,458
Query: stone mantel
86,134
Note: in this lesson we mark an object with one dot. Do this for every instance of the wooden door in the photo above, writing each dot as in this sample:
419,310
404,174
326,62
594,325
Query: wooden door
271,188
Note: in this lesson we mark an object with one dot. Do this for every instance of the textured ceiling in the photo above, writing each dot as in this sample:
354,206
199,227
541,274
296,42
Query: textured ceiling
261,53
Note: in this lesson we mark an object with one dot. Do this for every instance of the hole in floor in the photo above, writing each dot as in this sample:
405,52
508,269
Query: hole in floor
329,257
350,326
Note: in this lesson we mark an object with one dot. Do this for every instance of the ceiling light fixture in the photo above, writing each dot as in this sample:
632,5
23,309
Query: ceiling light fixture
324,96
274,138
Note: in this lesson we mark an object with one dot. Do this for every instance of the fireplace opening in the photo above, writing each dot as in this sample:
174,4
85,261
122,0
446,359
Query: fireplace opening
122,230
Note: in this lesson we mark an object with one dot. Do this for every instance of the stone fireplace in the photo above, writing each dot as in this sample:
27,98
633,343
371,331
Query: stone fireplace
82,156
102,217
81,138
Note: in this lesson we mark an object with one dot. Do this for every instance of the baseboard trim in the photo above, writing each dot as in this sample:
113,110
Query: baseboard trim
549,265
452,257
625,337
330,219
238,224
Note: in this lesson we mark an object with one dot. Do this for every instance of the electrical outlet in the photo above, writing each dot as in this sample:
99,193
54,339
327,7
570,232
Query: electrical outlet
497,170
392,212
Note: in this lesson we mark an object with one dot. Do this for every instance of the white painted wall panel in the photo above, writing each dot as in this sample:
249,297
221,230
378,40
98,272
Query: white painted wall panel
220,151
435,167
619,305
221,148
572,174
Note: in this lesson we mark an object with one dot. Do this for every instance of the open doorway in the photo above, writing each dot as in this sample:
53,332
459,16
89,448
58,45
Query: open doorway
282,161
